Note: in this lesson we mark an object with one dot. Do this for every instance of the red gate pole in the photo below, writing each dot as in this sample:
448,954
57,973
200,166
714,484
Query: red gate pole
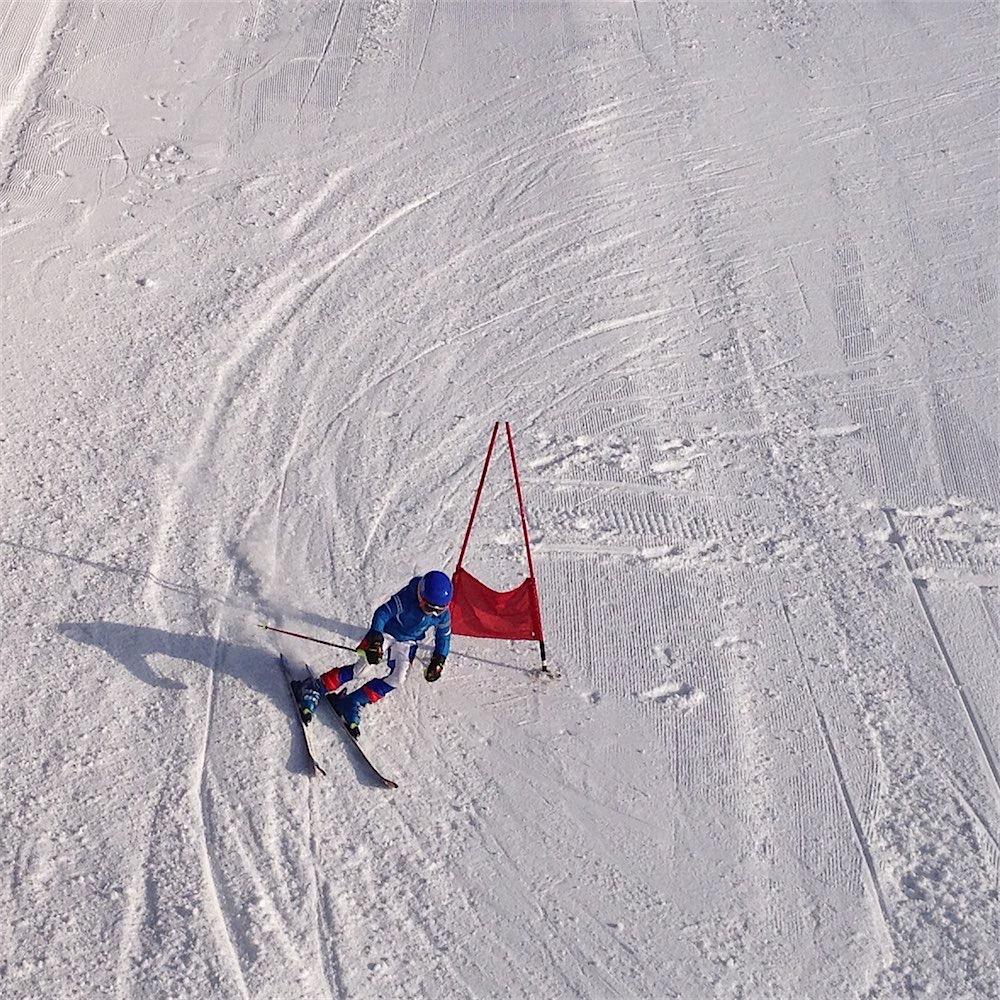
479,493
527,547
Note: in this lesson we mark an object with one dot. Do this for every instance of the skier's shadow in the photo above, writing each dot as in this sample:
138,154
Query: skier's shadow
132,646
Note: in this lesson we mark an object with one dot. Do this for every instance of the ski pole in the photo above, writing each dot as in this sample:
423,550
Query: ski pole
299,635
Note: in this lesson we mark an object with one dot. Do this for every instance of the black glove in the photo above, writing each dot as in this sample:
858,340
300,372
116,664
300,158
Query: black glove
433,669
371,646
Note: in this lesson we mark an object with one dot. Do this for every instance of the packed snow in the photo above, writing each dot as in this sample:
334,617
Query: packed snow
270,272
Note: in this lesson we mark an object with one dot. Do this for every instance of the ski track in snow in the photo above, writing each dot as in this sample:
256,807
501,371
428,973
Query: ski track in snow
989,753
731,274
322,57
202,792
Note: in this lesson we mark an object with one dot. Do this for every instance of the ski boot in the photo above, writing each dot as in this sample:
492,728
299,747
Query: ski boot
308,693
348,707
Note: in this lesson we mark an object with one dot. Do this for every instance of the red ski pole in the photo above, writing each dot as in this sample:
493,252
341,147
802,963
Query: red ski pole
310,638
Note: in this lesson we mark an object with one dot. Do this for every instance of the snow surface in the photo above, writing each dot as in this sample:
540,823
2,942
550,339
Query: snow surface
270,272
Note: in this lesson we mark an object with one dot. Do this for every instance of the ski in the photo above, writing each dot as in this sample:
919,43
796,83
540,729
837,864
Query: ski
316,766
388,782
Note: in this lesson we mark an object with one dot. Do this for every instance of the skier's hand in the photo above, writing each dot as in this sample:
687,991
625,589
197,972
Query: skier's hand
371,646
433,669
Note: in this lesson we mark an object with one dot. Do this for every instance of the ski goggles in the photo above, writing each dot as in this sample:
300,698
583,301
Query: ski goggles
432,609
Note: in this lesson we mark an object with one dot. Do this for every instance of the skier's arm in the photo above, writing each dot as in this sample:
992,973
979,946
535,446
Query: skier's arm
442,636
372,644
442,643
384,612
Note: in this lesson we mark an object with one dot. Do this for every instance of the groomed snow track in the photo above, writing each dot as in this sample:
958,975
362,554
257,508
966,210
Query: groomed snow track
270,272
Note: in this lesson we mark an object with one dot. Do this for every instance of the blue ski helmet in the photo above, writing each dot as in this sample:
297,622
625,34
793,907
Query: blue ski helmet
434,592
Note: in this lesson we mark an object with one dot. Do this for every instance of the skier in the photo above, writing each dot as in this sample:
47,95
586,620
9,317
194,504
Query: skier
403,620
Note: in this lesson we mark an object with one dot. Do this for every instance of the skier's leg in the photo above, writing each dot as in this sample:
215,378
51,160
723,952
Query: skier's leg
329,683
349,706
401,655
336,678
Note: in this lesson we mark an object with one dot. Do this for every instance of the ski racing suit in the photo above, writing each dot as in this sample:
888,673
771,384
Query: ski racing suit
404,623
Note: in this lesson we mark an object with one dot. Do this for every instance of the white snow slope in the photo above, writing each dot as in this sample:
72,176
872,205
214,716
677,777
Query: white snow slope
271,270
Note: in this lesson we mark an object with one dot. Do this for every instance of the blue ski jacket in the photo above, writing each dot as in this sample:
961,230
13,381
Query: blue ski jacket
403,618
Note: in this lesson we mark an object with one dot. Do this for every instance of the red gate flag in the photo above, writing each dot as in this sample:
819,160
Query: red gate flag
478,611
484,613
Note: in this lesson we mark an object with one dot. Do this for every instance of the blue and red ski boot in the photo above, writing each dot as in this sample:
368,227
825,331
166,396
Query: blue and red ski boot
348,707
308,693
